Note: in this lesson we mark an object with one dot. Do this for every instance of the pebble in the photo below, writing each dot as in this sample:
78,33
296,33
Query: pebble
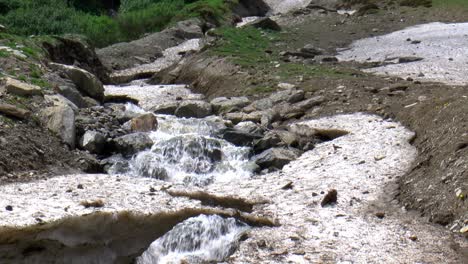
9,208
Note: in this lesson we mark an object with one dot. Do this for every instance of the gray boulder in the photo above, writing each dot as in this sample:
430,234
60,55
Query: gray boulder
239,137
249,127
132,143
85,81
60,119
189,29
194,108
276,158
72,94
94,142
290,96
168,108
223,105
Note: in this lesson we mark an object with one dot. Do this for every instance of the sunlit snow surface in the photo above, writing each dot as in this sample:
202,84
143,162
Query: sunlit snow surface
442,47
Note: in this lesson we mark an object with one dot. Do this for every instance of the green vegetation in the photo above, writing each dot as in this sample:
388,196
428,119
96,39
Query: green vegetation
254,50
450,3
95,20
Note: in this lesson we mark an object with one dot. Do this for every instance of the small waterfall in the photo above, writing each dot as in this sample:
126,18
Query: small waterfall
188,150
196,240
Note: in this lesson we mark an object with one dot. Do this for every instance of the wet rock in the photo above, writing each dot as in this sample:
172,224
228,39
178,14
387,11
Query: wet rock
94,142
16,87
144,123
13,111
85,81
275,158
132,143
330,198
9,208
239,137
115,164
168,108
60,119
265,23
249,127
189,29
194,108
223,105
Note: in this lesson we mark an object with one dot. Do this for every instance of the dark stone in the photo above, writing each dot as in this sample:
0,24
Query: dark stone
240,138
266,23
76,52
9,208
132,143
276,158
330,198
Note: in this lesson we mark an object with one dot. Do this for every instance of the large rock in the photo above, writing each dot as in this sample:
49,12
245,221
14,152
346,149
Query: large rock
276,158
86,82
189,29
249,127
312,50
72,94
94,142
223,105
194,108
168,108
13,111
276,138
239,137
265,23
74,51
132,143
290,96
144,123
60,119
248,8
16,87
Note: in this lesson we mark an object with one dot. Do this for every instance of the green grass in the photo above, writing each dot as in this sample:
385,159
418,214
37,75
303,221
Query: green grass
246,46
450,3
4,54
254,50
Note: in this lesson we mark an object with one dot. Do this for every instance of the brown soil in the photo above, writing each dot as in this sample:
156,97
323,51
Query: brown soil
437,113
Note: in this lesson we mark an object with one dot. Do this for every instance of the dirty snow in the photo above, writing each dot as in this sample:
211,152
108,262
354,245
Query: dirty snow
441,46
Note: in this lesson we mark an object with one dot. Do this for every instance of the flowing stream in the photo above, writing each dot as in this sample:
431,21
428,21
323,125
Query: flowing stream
190,151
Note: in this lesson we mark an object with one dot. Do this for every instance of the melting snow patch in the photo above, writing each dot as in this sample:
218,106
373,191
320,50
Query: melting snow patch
442,48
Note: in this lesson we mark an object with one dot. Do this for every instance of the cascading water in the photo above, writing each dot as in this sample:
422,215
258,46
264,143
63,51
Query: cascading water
187,150
197,240
190,151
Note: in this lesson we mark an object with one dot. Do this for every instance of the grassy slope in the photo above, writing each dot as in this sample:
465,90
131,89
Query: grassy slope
255,51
